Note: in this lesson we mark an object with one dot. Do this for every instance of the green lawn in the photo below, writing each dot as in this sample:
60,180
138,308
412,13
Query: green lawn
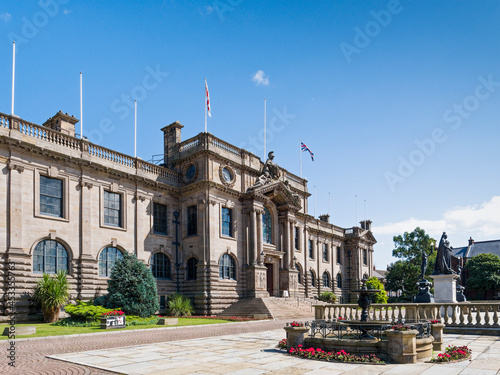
45,329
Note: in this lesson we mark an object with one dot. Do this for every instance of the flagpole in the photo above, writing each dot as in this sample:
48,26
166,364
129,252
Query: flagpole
329,206
205,101
81,106
13,75
300,157
314,201
356,209
264,128
135,129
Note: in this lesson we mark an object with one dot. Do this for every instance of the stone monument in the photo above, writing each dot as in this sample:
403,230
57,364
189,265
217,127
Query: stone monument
445,279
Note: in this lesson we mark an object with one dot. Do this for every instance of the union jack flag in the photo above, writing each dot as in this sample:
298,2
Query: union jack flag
303,148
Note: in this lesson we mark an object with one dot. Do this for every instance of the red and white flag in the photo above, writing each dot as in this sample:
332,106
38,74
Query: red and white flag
207,97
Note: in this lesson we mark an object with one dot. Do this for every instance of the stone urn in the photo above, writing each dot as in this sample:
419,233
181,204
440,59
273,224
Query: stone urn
295,336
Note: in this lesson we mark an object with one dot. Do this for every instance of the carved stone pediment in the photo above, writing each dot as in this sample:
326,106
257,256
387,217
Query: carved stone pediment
277,192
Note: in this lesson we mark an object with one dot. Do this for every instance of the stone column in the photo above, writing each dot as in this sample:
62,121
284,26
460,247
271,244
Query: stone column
260,238
16,207
253,237
286,245
292,244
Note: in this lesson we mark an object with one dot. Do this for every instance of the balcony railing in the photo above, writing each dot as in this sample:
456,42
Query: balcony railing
485,314
42,133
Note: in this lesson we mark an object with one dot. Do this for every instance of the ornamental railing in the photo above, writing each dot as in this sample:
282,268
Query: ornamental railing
42,133
485,314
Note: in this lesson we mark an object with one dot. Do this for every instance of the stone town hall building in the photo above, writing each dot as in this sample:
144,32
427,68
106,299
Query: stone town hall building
242,225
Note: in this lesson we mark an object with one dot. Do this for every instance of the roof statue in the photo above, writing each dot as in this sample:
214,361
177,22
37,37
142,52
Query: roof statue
270,171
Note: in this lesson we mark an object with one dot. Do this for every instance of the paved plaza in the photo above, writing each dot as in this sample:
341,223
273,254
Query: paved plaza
235,348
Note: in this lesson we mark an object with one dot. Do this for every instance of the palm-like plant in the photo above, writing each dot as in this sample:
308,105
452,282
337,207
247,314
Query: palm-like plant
52,292
179,305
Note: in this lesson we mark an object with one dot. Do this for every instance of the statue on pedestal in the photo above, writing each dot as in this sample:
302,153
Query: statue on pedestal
270,171
443,258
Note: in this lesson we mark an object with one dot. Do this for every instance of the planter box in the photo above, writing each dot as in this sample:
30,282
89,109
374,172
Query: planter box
112,322
168,321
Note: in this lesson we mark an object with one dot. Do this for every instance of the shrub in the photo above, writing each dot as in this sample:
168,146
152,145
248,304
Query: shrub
85,311
52,292
101,300
132,287
178,305
281,344
374,283
329,297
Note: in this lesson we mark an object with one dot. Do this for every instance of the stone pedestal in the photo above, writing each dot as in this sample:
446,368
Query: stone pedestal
289,282
445,288
257,281
437,333
295,336
402,346
424,295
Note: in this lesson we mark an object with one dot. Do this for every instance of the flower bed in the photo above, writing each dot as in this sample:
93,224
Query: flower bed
340,356
113,313
453,353
296,324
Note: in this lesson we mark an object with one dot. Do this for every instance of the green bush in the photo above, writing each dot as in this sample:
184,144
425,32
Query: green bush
101,300
52,292
131,320
178,305
374,283
329,297
132,287
85,311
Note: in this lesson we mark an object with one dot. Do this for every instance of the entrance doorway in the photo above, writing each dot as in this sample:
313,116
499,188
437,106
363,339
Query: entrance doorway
270,278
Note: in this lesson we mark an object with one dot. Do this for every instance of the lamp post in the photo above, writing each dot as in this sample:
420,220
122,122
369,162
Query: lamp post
176,243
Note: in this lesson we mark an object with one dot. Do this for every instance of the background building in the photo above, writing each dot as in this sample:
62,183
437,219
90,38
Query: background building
207,220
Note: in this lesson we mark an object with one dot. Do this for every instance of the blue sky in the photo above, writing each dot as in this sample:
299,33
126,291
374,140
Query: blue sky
399,100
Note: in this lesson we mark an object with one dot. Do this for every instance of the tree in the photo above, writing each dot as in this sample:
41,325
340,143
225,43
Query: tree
483,271
403,274
132,287
374,283
52,292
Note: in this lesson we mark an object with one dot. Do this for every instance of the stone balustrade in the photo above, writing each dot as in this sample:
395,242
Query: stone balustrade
86,149
484,314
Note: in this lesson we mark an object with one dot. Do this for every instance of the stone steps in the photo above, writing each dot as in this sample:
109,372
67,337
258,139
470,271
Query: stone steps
272,307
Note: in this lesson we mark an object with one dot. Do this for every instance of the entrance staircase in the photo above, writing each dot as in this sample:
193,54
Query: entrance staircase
272,308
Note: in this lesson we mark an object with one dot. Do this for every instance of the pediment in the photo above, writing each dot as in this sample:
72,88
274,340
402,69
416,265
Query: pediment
368,236
278,193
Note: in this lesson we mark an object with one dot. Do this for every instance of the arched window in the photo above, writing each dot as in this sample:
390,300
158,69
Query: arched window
267,226
339,281
107,260
191,268
313,279
297,267
226,267
50,256
160,266
326,280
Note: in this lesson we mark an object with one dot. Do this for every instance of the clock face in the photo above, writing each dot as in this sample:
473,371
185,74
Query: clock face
226,173
191,172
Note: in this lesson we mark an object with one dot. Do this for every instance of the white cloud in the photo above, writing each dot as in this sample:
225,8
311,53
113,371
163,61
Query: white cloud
5,17
67,11
480,221
209,9
260,78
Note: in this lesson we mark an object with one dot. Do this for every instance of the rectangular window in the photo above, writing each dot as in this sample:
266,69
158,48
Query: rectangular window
51,196
311,251
227,222
159,218
112,209
297,238
365,257
192,221
339,260
325,252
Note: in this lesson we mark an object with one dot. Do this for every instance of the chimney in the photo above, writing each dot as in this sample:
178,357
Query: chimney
471,241
62,122
171,137
325,218
366,224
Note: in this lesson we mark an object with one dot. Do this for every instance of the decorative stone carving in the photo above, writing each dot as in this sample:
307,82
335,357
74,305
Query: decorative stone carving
270,171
